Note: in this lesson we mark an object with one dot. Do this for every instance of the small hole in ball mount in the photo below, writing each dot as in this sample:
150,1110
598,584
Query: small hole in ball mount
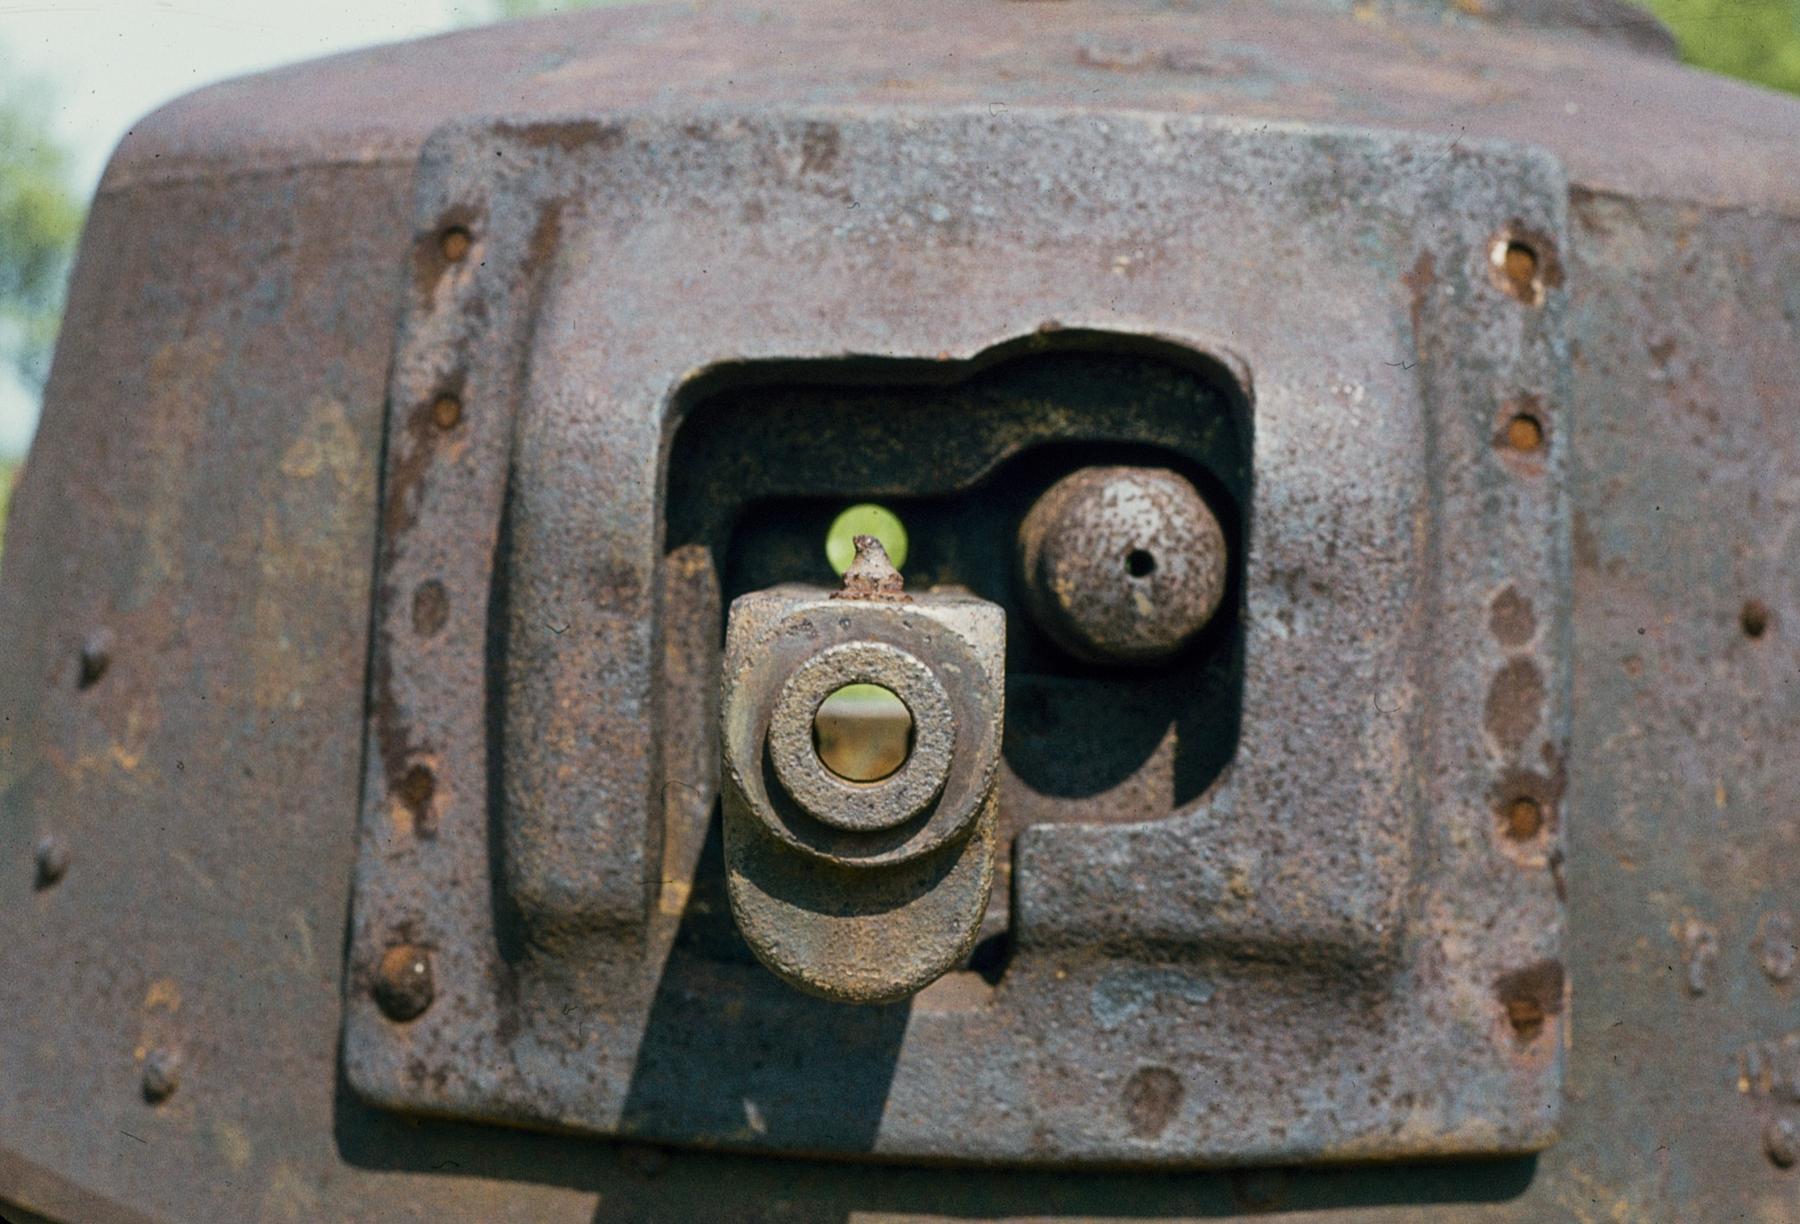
1139,563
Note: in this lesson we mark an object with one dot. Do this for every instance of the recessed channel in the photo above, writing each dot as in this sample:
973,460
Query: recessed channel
863,733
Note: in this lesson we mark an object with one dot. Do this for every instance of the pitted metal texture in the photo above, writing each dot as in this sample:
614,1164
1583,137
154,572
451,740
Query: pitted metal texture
862,807
861,892
1123,564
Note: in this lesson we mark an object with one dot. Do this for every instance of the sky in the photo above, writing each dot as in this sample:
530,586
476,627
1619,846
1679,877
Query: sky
106,63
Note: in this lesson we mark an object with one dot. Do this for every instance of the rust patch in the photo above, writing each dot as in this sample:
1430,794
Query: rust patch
1526,803
566,136
1151,1098
430,608
1524,818
1511,618
1515,704
819,146
414,792
1419,282
454,243
443,247
872,576
409,468
446,412
1530,996
545,235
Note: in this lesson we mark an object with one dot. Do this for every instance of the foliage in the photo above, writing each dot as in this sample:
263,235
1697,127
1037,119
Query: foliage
1757,40
40,219
9,472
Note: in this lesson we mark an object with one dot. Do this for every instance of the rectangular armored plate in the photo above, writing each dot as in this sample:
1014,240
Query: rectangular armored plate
1348,947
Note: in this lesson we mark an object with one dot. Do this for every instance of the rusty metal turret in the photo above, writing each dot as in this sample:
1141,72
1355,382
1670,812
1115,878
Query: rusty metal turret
1323,694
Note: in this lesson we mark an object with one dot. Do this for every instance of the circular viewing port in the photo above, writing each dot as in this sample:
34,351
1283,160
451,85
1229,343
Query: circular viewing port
863,733
865,519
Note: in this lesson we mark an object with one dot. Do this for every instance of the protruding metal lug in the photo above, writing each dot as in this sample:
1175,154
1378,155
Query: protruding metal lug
862,892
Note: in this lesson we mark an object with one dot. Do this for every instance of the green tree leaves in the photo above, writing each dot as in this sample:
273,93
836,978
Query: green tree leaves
1757,40
40,219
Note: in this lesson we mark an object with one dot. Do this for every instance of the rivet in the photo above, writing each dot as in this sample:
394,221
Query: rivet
162,1075
1754,618
96,657
1529,997
454,244
446,412
403,983
52,857
415,788
1781,1140
1525,433
1524,818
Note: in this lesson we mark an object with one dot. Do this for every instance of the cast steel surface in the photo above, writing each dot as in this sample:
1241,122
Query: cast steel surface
1345,884
861,892
189,569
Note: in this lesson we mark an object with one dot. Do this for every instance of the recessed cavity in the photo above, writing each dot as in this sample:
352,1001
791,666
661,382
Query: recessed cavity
1516,269
863,733
1139,563
1525,433
1520,264
416,787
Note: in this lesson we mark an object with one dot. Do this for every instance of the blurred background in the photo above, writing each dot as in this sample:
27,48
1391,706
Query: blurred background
75,74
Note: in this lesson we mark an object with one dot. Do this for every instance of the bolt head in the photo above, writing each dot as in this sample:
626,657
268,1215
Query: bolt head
1781,1139
52,860
96,657
403,985
162,1075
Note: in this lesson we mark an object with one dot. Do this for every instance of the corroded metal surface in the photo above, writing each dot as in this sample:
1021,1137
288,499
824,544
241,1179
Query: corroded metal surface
861,892
1344,878
1123,564
223,528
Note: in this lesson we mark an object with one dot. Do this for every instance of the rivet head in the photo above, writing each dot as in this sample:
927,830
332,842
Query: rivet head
403,986
52,859
1781,1139
1524,818
162,1075
96,657
454,244
446,412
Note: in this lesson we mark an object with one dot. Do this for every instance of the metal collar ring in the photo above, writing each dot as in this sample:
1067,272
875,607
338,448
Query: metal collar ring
839,802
